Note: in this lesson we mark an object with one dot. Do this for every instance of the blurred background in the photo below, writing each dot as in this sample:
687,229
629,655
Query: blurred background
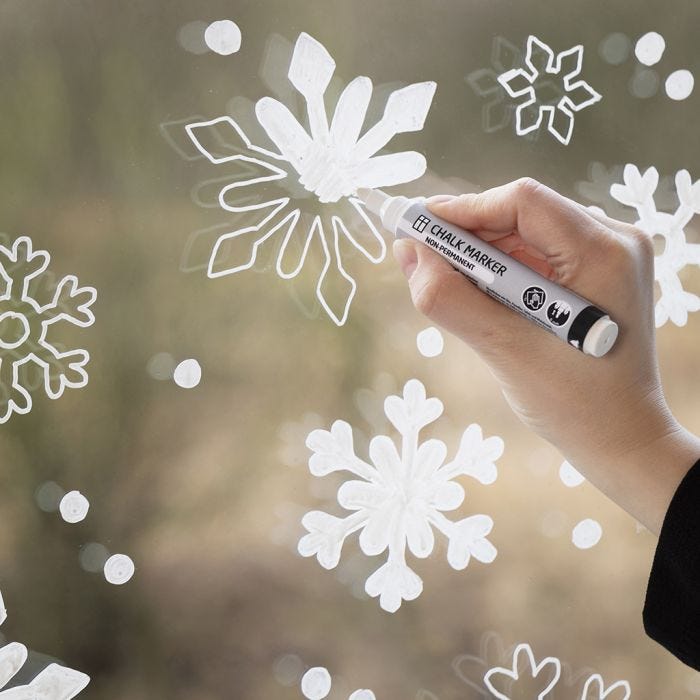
204,488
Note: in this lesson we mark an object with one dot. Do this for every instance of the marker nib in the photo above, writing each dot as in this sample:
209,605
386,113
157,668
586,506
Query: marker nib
373,199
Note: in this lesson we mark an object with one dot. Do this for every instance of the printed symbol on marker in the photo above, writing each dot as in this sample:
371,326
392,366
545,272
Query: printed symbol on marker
534,298
558,312
420,223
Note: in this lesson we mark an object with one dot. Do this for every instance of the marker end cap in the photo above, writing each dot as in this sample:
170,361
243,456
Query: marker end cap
600,337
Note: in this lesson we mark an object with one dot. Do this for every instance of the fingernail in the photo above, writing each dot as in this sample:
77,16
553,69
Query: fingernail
439,198
405,255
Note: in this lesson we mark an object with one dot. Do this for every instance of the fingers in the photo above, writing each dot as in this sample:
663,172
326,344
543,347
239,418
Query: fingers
544,219
449,299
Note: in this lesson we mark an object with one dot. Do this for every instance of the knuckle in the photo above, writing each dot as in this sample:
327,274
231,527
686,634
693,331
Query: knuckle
643,242
427,294
527,187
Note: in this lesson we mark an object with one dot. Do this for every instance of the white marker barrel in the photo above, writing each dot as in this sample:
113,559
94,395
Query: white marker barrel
558,310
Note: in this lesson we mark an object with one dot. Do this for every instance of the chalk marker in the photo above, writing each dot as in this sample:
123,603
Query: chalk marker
557,309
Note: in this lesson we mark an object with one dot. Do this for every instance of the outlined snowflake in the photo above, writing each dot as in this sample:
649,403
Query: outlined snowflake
316,685
326,165
502,682
55,682
497,113
522,82
26,324
401,497
638,192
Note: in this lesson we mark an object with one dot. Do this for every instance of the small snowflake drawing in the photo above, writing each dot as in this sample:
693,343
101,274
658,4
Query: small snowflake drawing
401,496
541,61
502,682
316,685
638,192
54,682
26,325
324,165
497,113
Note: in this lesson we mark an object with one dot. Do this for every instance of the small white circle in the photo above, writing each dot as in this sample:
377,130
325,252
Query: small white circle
188,374
430,342
223,37
570,476
650,48
316,683
680,84
118,569
587,534
19,334
74,507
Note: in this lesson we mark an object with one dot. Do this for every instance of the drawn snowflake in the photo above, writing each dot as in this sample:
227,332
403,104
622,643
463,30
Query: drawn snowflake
500,680
639,192
522,82
326,165
401,497
316,685
55,682
26,325
497,113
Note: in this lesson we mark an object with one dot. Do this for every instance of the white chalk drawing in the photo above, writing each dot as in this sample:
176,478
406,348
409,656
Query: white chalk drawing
326,165
316,685
74,507
570,476
26,325
522,83
223,37
497,112
119,569
188,374
679,84
55,682
587,533
401,496
430,342
502,682
650,48
638,192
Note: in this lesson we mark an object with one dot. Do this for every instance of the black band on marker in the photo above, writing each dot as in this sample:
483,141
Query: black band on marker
582,324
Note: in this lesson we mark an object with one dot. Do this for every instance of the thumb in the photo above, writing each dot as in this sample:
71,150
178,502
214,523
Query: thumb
452,301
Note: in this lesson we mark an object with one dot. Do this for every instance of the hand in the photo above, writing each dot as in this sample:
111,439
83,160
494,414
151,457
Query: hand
607,416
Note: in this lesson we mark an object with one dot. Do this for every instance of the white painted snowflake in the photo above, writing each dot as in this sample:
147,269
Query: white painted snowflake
55,682
502,682
638,192
26,325
316,685
401,497
522,82
326,165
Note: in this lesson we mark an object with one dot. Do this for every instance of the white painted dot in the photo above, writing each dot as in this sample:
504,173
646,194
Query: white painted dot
650,48
223,37
587,534
74,507
615,48
316,683
570,476
188,374
430,342
680,84
92,557
118,569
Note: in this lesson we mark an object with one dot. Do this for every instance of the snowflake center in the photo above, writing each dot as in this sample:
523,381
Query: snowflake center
324,172
14,330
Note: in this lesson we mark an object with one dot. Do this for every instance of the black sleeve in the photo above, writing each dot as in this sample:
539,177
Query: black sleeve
672,607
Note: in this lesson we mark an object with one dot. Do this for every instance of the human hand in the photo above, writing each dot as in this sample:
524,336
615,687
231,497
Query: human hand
607,416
